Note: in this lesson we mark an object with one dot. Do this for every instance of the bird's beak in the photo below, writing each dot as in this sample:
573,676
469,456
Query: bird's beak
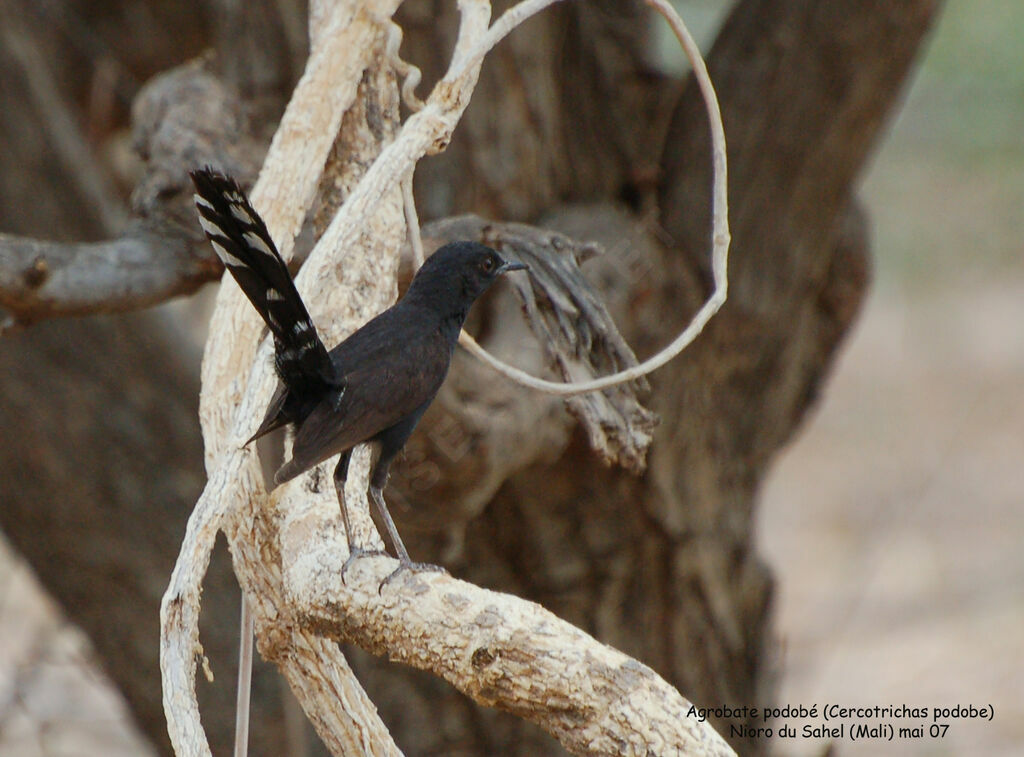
512,265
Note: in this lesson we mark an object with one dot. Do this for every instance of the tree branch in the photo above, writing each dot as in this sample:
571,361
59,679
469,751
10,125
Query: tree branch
350,47
142,267
500,650
182,118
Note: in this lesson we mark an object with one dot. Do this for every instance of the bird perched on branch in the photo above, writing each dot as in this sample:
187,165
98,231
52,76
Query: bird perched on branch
374,386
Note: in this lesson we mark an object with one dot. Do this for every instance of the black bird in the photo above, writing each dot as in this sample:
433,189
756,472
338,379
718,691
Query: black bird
374,386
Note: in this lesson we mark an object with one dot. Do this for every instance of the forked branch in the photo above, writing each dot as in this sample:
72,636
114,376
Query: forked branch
500,649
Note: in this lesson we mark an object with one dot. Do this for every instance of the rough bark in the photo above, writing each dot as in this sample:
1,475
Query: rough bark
143,267
624,557
651,565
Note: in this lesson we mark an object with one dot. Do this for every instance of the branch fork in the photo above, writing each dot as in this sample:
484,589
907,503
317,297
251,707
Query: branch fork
288,549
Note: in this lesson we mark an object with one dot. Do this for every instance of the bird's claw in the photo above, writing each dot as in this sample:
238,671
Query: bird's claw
354,553
415,567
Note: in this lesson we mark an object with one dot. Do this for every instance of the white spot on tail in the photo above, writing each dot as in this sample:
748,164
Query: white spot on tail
209,226
226,257
256,242
241,213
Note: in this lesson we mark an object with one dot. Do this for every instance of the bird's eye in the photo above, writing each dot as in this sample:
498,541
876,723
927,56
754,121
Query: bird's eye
487,264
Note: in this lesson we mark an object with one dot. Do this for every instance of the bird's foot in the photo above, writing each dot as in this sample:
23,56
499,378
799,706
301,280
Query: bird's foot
354,553
413,567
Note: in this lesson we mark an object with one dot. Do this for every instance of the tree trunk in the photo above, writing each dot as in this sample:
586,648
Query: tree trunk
664,566
101,461
569,124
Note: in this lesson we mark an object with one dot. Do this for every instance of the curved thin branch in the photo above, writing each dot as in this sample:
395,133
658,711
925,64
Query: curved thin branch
412,222
234,497
411,75
720,212
179,609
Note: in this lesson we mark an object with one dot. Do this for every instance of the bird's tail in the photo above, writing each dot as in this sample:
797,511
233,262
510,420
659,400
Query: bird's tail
241,240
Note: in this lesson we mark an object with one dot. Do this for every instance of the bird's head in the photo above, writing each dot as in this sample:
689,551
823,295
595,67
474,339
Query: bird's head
458,273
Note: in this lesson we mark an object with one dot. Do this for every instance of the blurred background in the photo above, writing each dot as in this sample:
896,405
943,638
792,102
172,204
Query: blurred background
893,521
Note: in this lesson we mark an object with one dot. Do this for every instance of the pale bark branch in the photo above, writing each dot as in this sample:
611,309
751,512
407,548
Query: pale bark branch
332,698
502,651
350,274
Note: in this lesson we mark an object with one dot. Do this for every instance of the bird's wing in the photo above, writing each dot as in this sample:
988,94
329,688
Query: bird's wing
274,417
392,367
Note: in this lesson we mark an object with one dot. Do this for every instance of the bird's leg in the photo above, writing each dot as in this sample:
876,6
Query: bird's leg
391,442
354,550
382,510
404,562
